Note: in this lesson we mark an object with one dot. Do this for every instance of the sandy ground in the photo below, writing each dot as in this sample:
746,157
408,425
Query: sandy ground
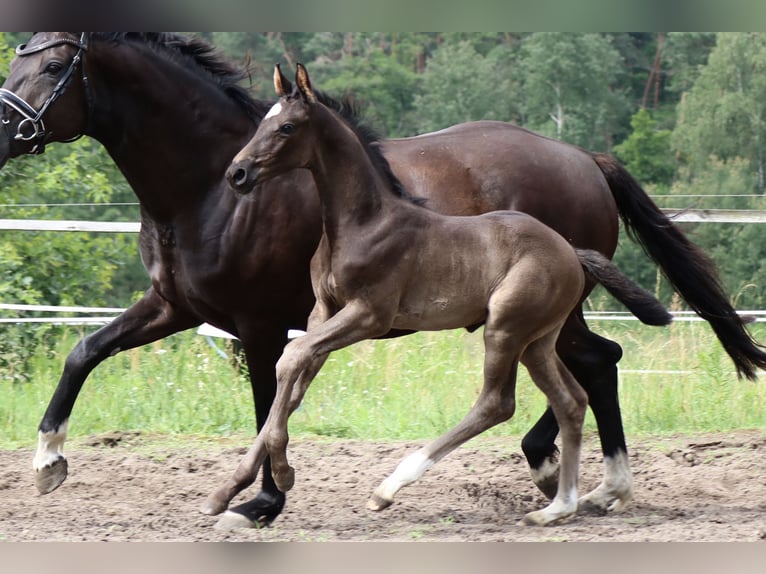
127,487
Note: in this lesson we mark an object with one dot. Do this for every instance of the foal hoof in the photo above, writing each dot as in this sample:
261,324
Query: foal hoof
378,503
49,478
543,518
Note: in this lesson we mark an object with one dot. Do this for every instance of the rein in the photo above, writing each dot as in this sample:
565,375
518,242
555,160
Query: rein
32,127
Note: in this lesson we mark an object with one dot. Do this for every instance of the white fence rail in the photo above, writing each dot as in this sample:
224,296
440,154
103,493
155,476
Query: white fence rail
677,215
104,315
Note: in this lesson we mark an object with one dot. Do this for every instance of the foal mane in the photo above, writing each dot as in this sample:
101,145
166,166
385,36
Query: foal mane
200,57
369,139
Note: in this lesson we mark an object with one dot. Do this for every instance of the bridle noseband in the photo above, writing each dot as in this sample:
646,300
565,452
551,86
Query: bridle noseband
32,127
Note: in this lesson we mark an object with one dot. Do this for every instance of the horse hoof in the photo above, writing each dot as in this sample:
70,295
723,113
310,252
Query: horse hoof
378,503
285,480
233,521
601,506
546,477
544,518
49,478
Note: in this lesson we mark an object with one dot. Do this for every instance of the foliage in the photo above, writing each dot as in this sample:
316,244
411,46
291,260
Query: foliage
570,87
724,114
460,84
647,153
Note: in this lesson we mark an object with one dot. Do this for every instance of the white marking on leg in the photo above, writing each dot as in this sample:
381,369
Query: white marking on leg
560,507
547,471
616,490
409,470
50,447
274,111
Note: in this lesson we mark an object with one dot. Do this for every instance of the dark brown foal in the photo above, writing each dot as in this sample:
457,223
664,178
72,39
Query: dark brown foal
385,263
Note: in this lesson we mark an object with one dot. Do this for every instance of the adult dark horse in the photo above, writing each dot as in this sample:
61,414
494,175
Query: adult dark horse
172,116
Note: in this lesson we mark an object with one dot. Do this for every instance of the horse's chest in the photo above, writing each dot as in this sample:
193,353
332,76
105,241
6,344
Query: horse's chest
179,271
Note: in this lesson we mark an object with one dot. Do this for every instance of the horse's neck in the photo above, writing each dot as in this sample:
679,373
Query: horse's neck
170,133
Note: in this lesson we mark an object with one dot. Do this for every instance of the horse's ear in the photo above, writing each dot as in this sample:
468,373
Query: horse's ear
281,84
304,84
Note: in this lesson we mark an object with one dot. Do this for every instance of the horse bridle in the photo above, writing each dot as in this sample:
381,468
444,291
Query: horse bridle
32,127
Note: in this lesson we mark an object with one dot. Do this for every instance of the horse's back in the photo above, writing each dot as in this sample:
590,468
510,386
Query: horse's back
476,167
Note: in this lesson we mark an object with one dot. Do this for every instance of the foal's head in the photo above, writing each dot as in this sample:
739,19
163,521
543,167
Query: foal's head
283,140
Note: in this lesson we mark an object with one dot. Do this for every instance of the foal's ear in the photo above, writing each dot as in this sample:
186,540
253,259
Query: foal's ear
304,84
281,84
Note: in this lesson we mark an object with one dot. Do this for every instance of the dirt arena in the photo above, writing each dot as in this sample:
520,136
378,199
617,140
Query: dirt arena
127,487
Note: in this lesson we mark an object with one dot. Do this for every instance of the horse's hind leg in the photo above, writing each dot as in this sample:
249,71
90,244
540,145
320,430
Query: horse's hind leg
568,402
496,403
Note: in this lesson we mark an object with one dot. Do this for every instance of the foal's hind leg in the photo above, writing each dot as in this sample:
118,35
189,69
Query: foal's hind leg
495,404
592,360
568,402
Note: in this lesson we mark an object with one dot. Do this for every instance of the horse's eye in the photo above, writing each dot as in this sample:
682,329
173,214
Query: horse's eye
53,68
286,129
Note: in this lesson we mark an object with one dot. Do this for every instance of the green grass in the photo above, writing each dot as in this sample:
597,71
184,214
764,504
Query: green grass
409,388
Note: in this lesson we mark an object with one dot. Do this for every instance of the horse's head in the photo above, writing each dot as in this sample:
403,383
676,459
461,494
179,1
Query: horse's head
280,144
42,99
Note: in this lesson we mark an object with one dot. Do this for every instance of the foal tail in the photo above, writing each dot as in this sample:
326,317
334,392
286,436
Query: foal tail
637,299
689,269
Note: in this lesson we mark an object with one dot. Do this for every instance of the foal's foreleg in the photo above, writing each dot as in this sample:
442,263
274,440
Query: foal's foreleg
299,365
248,467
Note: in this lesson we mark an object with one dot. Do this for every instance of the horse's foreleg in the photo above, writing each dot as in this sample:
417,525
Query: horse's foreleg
280,474
150,319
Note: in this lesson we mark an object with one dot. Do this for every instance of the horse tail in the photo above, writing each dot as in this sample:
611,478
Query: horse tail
638,300
689,269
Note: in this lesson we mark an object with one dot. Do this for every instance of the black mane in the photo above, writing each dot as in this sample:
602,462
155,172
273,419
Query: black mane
200,57
369,138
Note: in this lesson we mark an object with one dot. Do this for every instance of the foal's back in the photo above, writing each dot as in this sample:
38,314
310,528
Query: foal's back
460,266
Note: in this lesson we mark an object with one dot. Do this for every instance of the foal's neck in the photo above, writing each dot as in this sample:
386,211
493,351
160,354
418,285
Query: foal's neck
351,189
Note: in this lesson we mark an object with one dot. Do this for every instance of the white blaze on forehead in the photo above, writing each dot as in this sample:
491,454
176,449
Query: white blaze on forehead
275,109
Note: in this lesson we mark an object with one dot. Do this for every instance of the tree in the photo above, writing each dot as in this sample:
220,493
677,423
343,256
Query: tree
570,87
460,84
724,113
647,152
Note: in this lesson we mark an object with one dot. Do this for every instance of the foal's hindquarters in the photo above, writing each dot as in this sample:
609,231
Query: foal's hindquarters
525,311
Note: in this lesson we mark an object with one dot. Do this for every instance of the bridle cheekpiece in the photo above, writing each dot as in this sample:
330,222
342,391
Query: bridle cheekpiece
32,127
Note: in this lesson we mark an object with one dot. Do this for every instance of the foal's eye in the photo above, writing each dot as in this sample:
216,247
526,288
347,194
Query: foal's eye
286,129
